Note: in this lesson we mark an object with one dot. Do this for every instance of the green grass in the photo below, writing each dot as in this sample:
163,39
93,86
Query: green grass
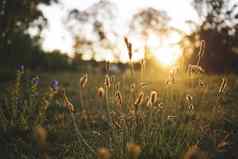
164,130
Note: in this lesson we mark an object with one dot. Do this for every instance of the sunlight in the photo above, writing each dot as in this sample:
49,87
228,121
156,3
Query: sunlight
58,36
153,41
166,51
168,56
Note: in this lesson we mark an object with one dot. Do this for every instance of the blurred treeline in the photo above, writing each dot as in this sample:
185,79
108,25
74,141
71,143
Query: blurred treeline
16,45
218,28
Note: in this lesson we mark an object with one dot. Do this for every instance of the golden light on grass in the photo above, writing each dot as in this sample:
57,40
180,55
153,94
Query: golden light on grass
103,153
134,150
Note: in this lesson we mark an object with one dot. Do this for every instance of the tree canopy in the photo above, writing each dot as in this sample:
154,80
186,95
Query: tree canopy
150,21
219,30
16,46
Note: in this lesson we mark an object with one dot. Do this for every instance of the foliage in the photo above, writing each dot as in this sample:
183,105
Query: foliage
219,31
16,17
100,21
16,45
150,21
55,60
23,109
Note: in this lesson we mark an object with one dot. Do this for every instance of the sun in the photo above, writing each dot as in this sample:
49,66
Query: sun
166,51
153,41
167,56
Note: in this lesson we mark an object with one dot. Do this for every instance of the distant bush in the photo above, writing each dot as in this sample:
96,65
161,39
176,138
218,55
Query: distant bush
56,60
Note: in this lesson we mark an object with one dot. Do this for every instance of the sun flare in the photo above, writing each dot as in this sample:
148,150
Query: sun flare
165,51
167,56
153,41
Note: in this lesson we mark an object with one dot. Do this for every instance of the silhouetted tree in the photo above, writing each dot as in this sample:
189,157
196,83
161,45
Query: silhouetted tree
219,29
16,46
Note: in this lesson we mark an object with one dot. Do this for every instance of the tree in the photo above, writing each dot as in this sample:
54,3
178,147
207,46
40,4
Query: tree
150,21
15,17
94,27
219,30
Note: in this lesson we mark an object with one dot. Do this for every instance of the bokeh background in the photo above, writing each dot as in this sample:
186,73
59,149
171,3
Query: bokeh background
62,34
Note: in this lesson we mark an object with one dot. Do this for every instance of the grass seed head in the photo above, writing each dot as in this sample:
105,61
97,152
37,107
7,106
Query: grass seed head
68,105
201,83
126,41
130,51
83,80
189,98
134,150
118,98
195,69
40,135
132,87
103,153
161,106
139,99
129,47
100,92
153,97
107,81
202,48
191,107
194,152
222,86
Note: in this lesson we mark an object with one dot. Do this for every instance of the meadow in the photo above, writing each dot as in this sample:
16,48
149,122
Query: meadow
154,114
114,79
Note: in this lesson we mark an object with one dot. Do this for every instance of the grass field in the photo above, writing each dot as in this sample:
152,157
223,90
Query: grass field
154,115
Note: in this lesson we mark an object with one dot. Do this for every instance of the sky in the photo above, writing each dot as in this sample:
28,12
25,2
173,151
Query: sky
56,37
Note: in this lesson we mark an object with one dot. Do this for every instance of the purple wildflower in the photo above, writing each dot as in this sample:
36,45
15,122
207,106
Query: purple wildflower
54,85
20,68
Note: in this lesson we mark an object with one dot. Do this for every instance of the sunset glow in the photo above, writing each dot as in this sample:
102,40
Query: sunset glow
56,35
165,50
167,56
